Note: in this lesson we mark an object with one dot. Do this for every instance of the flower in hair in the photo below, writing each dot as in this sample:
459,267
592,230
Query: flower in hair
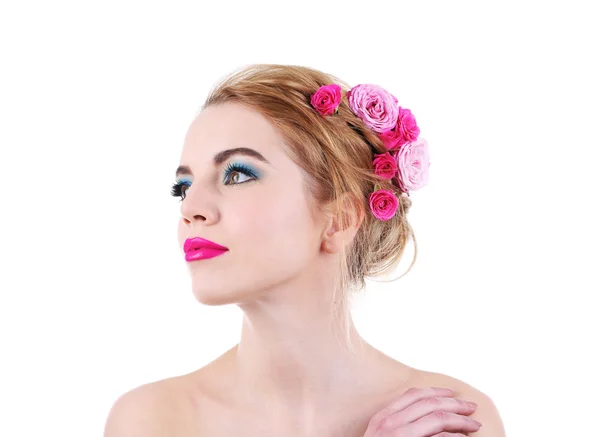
327,99
385,165
405,130
383,204
374,105
406,162
413,165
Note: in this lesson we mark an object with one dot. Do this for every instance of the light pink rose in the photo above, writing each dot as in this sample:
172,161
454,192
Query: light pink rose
405,130
413,165
326,99
374,105
385,165
383,204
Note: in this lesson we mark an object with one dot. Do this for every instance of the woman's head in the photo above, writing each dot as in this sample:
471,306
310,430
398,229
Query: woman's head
302,215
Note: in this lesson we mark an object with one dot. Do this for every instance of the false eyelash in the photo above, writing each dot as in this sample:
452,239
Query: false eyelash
177,188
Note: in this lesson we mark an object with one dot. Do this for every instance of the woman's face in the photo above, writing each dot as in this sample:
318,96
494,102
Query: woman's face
263,217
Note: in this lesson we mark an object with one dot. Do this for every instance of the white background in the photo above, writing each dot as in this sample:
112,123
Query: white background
95,99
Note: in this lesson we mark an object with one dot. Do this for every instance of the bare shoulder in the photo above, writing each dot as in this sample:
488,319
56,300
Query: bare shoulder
487,413
150,410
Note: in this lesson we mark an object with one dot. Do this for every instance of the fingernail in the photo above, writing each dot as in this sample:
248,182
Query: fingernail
472,404
479,424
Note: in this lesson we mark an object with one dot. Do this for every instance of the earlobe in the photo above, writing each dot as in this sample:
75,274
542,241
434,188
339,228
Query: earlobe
331,235
334,243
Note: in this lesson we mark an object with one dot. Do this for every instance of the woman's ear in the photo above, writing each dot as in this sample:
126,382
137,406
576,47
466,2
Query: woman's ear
342,226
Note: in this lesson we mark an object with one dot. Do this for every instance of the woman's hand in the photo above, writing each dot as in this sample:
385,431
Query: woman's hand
424,412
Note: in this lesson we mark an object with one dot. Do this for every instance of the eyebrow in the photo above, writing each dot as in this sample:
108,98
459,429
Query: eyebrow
222,156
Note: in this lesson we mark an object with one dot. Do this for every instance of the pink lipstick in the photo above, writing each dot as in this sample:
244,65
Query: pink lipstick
198,248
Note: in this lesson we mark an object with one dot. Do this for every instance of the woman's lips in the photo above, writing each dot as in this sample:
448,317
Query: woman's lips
203,253
200,243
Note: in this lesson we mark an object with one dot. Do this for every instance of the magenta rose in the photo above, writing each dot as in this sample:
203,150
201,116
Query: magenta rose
385,165
374,105
326,99
413,165
383,204
405,130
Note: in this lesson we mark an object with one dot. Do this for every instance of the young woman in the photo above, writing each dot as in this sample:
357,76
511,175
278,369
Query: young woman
294,187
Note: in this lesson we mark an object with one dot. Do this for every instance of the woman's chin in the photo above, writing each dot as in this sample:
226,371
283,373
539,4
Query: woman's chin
211,297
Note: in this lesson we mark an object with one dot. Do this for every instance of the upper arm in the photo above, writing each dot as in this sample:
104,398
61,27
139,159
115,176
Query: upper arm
137,413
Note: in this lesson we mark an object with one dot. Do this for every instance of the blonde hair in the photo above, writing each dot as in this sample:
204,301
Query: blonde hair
336,154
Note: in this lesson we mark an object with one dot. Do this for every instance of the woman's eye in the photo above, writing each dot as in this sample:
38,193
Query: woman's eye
237,170
236,177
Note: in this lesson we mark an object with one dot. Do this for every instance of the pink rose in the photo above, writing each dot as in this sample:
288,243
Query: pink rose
383,204
405,130
326,99
374,105
385,165
413,165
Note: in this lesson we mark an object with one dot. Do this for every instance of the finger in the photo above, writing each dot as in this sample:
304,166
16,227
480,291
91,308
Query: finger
426,406
440,421
411,396
430,404
449,434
